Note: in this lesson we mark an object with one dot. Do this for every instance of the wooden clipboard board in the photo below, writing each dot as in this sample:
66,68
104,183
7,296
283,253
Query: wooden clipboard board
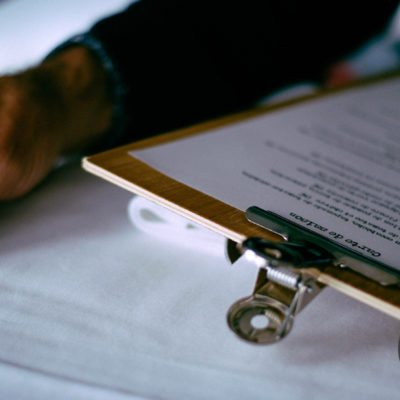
120,168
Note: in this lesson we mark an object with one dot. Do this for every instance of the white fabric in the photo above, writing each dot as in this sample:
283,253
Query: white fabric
92,308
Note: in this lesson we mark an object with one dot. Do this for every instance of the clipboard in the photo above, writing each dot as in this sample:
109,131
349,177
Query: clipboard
295,264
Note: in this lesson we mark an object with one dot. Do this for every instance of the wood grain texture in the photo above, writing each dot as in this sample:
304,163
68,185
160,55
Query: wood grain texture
119,168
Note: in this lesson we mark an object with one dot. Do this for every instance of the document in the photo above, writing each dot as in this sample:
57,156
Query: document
330,164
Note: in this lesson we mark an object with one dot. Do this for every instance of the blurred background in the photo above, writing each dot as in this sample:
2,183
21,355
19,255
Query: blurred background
29,29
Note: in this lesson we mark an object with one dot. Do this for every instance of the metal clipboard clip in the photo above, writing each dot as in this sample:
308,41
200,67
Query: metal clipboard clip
284,287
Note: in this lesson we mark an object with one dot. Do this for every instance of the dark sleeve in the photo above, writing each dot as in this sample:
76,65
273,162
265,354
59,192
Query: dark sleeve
185,61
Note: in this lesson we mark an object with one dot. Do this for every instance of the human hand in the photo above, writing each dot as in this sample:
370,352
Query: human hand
60,106
29,136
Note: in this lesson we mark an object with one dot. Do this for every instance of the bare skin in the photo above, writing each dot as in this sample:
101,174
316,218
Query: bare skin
58,107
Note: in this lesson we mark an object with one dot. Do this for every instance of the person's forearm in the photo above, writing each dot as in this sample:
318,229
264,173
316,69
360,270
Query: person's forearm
57,107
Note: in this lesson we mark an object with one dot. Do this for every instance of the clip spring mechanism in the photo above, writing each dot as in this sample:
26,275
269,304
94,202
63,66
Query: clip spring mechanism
284,286
281,291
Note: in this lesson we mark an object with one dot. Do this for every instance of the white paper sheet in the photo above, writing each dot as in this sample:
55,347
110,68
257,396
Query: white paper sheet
332,165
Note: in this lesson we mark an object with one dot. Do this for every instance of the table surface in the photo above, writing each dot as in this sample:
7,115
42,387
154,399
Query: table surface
91,307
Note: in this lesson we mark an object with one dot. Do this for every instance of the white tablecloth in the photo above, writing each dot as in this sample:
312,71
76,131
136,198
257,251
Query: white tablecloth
90,306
